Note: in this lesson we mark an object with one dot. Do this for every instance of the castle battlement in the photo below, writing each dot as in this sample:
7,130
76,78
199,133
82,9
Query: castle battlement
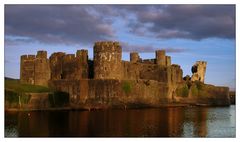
28,57
107,46
41,54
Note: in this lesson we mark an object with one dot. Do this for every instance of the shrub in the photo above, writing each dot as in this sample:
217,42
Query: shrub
126,87
25,98
199,85
183,91
11,96
194,90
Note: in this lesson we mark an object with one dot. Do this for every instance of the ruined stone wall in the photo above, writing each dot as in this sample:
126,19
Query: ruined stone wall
107,60
113,92
167,74
199,70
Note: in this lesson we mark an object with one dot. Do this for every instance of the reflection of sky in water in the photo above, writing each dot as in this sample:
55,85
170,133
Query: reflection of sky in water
168,122
11,131
219,122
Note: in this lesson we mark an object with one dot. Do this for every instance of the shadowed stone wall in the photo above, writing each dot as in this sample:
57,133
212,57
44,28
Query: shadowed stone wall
67,66
56,63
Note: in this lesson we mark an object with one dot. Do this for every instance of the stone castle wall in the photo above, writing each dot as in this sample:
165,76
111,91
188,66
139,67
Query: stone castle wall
113,92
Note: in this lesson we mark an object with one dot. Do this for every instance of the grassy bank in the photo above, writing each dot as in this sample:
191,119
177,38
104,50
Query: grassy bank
15,86
17,95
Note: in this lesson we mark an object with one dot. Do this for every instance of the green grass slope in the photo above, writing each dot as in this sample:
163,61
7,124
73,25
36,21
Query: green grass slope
14,85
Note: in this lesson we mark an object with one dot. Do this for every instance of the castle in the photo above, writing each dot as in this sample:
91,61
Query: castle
108,80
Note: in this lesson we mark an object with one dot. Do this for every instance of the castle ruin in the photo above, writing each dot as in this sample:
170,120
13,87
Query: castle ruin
107,79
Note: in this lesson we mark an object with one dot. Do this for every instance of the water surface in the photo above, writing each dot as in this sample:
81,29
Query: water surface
162,122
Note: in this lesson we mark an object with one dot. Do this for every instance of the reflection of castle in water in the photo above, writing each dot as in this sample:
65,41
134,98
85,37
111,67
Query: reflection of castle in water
145,122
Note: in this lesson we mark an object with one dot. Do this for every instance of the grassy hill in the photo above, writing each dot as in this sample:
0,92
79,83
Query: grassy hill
14,85
15,94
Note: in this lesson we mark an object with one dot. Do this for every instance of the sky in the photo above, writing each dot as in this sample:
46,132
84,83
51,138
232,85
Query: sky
188,33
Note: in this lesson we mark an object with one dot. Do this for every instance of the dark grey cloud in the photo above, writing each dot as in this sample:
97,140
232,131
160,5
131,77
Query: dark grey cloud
126,47
67,24
184,21
85,24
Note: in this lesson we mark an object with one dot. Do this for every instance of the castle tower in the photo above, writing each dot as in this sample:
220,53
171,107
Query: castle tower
56,62
107,60
69,67
134,57
42,69
161,57
42,54
199,70
168,61
27,70
82,57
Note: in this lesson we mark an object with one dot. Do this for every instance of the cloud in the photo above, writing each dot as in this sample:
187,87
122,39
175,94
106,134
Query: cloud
85,24
68,24
126,47
184,21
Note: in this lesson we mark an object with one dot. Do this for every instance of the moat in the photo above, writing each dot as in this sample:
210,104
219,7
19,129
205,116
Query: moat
161,122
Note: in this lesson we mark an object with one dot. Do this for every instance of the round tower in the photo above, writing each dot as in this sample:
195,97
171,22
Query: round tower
107,60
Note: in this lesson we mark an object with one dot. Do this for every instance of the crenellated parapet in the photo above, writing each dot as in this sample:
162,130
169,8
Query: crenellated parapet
42,54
